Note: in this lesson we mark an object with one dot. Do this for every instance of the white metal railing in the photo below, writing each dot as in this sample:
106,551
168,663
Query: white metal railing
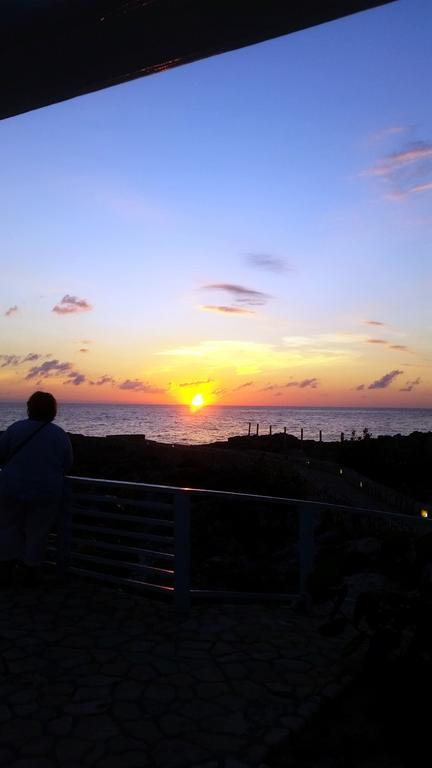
158,548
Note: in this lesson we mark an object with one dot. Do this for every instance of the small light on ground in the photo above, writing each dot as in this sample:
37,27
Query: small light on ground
341,471
424,513
361,483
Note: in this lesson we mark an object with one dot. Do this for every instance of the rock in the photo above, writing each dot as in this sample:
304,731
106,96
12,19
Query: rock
96,727
94,707
5,713
71,749
40,746
34,762
128,690
209,674
126,710
173,753
276,736
173,725
234,723
20,731
160,692
125,760
60,726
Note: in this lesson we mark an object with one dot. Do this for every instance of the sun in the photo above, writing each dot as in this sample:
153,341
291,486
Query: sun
197,401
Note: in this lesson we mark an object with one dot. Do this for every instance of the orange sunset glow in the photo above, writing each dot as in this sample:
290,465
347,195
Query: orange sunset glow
231,261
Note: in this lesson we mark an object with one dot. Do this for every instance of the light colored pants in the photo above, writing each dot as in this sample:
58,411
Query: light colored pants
24,528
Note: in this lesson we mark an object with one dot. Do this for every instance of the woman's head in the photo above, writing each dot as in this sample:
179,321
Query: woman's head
42,406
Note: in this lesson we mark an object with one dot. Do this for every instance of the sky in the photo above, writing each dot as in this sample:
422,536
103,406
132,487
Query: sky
255,227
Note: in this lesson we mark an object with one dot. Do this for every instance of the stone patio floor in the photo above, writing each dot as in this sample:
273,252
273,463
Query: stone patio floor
95,677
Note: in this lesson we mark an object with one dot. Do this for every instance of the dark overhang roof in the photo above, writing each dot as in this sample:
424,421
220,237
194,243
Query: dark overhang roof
56,49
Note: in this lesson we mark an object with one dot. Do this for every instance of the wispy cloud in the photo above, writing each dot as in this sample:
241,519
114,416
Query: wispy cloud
195,383
268,262
240,293
75,378
11,311
136,385
248,358
374,322
47,369
83,349
411,154
360,387
243,386
396,347
102,380
12,360
385,380
410,385
313,383
70,305
225,310
407,171
392,130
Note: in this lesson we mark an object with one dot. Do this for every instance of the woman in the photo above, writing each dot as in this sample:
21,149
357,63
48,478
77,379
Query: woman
35,455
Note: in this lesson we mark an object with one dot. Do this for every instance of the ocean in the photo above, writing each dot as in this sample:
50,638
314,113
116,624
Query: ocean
178,424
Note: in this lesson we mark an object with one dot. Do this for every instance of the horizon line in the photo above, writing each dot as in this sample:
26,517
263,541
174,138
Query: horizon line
227,405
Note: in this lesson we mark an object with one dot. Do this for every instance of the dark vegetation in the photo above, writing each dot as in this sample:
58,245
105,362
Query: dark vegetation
245,545
401,462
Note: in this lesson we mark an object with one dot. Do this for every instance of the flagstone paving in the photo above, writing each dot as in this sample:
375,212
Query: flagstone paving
96,677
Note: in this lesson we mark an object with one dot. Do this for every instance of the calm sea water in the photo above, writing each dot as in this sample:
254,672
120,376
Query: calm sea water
177,424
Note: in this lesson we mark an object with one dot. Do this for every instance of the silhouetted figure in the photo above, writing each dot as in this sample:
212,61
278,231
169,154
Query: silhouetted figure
35,455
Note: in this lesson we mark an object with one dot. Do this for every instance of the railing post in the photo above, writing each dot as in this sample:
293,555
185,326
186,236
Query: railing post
64,531
306,545
182,550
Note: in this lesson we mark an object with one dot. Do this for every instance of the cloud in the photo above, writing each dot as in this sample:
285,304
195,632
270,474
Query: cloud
248,358
269,387
195,383
266,261
242,294
385,380
418,188
11,311
75,378
360,387
48,368
374,322
400,347
411,154
70,305
12,360
408,171
313,383
219,391
226,310
390,131
102,380
376,341
83,349
136,385
409,386
9,360
243,386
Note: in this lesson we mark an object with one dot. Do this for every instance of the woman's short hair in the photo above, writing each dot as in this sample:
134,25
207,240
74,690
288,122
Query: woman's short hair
42,406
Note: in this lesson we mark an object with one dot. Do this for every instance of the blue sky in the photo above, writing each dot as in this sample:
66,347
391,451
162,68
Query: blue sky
299,168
